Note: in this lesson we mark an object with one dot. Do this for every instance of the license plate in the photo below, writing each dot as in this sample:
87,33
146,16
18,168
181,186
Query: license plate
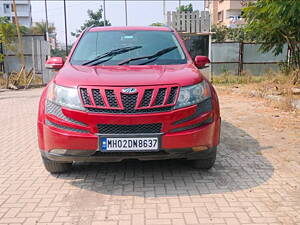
129,144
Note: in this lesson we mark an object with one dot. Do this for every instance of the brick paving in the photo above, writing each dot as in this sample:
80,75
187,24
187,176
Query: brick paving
256,178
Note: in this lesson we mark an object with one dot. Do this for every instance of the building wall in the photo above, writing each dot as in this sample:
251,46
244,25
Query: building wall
225,12
23,11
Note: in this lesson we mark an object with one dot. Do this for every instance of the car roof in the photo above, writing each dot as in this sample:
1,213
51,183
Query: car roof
110,28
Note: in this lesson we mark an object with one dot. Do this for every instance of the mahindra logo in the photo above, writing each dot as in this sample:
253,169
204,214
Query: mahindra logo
129,90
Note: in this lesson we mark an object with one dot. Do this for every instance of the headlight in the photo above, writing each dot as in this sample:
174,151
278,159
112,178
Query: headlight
64,96
191,95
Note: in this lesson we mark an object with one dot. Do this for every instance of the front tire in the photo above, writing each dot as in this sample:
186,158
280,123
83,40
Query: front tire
56,167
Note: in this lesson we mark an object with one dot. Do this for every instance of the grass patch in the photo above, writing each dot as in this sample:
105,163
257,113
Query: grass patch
269,78
274,86
227,78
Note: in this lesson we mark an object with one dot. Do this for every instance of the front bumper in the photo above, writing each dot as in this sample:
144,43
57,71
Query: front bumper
97,156
181,130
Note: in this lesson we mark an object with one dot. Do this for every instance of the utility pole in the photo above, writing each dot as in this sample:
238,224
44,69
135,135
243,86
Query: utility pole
66,29
104,13
46,13
20,41
164,11
126,22
179,3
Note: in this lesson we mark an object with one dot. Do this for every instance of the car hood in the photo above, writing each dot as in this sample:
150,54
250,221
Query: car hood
183,74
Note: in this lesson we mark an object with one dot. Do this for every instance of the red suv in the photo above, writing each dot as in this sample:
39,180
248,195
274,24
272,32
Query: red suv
128,93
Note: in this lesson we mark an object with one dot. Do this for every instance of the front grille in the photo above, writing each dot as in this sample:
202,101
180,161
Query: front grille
160,96
144,100
97,97
129,129
85,96
111,98
172,95
129,102
137,111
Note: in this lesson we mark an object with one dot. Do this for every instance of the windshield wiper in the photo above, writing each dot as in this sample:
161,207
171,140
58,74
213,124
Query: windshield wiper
151,57
110,54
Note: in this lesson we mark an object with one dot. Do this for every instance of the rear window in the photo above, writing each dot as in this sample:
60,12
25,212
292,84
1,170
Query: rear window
94,44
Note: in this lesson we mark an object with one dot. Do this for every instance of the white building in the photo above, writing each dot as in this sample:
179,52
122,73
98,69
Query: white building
226,12
23,11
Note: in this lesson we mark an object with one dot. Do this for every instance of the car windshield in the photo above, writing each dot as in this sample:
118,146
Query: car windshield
94,45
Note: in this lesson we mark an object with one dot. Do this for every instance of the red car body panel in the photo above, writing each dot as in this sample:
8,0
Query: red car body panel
117,77
183,74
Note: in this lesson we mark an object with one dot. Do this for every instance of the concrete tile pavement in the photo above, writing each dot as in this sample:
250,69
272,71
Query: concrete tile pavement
255,179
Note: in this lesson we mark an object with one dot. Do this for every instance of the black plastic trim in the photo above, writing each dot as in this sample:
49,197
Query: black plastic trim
65,127
202,107
205,122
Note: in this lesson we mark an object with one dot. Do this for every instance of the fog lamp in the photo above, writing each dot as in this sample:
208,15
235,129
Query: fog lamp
59,151
199,148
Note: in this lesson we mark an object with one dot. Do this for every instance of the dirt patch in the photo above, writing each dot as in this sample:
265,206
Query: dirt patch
278,96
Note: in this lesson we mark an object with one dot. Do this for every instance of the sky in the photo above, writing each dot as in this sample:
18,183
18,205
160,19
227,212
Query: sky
140,12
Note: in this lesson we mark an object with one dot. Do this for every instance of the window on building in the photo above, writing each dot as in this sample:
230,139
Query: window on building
220,16
6,8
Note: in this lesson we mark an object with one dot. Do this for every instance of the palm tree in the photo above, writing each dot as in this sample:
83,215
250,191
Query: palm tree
40,28
7,36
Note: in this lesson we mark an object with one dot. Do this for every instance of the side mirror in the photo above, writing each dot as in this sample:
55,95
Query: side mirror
54,63
201,61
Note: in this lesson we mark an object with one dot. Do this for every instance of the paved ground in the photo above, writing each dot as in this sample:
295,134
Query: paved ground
256,179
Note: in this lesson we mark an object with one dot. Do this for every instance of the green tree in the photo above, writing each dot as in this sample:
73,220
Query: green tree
219,33
223,33
59,52
7,36
185,8
40,28
95,18
276,22
157,24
